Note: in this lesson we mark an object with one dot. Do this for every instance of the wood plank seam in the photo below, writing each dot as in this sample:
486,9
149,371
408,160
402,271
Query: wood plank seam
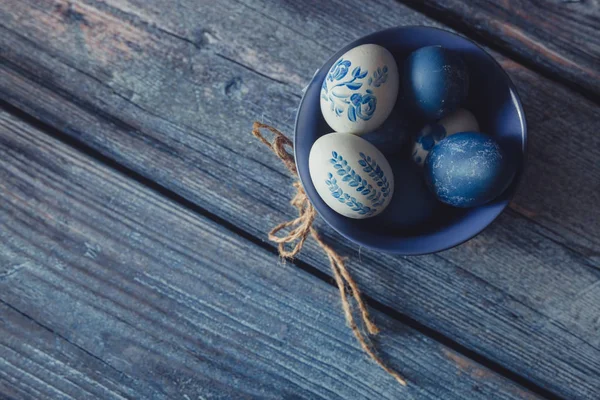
80,131
585,257
50,330
454,21
93,109
54,175
302,265
554,318
151,27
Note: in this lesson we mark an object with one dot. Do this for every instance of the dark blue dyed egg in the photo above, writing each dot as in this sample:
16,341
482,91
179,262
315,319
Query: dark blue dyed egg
467,169
435,81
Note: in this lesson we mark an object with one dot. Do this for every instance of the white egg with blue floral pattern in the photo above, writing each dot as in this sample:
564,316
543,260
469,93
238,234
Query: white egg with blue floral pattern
360,90
459,121
351,175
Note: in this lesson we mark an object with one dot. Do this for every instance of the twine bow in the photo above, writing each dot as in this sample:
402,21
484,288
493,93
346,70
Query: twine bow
300,228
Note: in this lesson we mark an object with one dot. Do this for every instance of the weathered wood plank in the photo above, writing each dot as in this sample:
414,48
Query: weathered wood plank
174,303
38,363
556,126
179,111
562,37
211,40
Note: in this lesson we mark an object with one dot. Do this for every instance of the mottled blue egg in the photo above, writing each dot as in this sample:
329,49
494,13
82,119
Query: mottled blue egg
435,81
467,169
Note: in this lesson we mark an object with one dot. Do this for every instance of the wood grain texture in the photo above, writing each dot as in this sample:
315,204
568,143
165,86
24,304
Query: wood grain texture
171,93
117,292
37,362
561,37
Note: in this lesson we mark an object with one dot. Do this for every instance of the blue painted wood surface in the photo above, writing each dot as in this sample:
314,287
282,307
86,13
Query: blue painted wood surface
168,95
560,38
110,290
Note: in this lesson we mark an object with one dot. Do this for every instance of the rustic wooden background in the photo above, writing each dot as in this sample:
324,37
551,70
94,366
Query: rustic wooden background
134,206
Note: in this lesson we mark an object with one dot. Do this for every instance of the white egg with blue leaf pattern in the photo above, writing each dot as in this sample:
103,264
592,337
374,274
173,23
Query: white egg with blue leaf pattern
351,175
360,90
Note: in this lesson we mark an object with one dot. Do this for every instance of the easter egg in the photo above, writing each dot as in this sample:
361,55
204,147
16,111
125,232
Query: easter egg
460,120
467,169
360,89
435,81
350,175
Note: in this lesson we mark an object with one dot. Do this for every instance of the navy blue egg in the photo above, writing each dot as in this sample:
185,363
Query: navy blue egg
467,169
435,81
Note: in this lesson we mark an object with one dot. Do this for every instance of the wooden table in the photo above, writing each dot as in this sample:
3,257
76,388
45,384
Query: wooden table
134,206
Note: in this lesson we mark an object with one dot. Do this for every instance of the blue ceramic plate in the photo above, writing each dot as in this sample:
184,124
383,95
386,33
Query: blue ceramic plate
414,222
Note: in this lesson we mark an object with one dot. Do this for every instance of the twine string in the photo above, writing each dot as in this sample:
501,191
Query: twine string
290,244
